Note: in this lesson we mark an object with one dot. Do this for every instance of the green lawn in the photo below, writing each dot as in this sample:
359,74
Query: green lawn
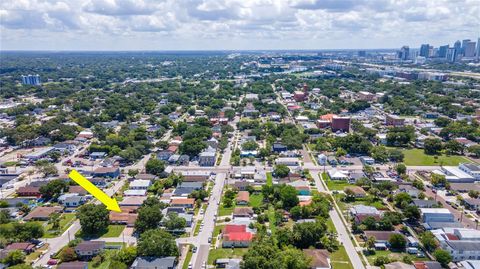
394,255
335,185
105,264
197,228
271,220
112,231
358,201
188,258
256,200
419,158
220,253
216,232
331,226
269,179
65,222
340,260
225,211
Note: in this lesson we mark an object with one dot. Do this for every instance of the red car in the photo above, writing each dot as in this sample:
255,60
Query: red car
52,262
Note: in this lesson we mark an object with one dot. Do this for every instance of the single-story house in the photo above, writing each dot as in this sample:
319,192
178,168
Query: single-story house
135,193
136,201
358,191
236,236
123,218
154,263
320,258
380,236
243,212
243,198
140,184
42,212
110,172
89,249
26,247
182,202
71,199
29,191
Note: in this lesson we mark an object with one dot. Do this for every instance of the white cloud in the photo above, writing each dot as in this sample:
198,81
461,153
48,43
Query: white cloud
241,24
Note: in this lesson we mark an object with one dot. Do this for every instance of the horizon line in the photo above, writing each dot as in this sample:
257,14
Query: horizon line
194,50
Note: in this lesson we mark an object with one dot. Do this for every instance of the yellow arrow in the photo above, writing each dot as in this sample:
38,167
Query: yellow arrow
111,203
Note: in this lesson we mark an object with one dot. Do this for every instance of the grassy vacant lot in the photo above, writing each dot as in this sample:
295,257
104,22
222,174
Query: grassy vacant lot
112,231
225,211
394,255
271,220
220,253
65,222
256,200
269,179
335,185
358,201
416,157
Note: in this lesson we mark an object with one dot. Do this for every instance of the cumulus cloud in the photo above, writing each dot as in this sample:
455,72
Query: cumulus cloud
248,23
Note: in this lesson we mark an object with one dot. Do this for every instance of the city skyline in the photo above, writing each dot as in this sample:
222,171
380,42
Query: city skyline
235,25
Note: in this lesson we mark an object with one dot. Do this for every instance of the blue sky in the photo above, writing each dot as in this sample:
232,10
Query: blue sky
234,24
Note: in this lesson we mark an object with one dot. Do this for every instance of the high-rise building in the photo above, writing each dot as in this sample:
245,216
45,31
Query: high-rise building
458,46
464,43
31,80
362,53
404,53
478,48
424,50
469,49
451,55
442,51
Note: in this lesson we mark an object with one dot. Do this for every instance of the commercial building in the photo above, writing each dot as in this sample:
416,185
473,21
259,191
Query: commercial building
436,215
454,174
394,120
341,124
365,96
471,169
461,243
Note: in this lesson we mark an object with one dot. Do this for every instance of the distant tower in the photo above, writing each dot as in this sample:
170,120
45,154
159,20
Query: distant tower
478,48
442,51
469,49
458,46
451,55
464,44
425,50
404,53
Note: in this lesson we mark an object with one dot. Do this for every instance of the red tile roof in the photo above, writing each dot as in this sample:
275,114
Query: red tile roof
245,236
232,228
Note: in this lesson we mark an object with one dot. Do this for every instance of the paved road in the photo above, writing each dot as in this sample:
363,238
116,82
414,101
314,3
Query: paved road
201,241
343,235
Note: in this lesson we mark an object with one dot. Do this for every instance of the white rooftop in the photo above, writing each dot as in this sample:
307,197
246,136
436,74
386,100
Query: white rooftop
140,183
434,211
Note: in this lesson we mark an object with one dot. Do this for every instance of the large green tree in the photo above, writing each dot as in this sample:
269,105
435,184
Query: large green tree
157,243
93,218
